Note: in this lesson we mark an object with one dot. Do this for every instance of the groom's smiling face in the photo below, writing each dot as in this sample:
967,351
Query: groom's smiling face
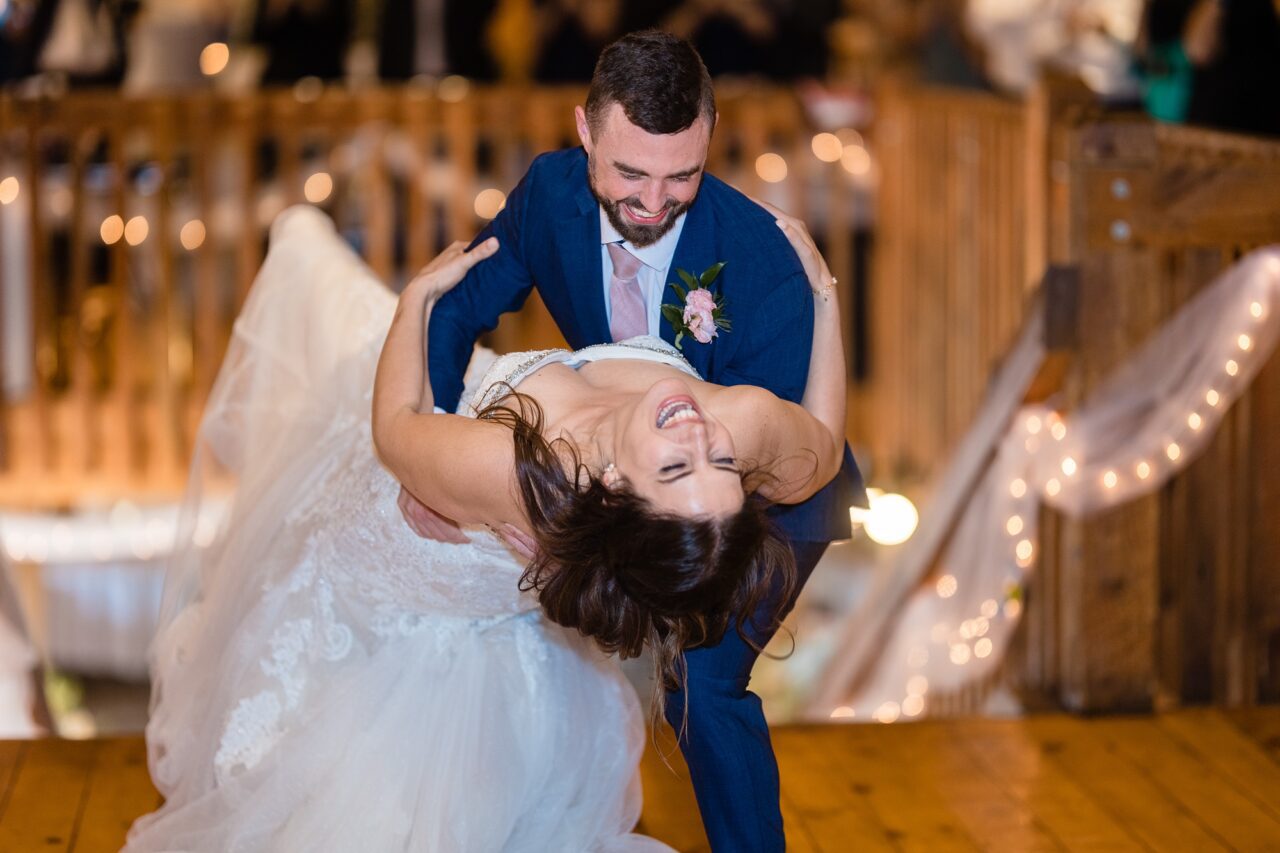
643,180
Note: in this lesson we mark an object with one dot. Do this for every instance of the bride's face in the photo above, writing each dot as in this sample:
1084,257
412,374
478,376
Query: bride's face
675,454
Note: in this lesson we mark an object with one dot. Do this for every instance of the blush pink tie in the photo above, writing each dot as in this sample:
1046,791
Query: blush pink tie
629,316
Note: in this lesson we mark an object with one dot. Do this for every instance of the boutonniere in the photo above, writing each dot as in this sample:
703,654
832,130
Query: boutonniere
702,314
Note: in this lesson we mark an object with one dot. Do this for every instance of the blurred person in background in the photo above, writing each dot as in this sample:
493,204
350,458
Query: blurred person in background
1213,63
302,38
80,41
435,37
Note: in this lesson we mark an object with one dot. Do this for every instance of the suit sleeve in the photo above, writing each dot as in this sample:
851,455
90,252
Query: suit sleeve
492,288
776,342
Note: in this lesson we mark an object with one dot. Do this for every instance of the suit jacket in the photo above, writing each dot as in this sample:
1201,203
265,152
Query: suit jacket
549,233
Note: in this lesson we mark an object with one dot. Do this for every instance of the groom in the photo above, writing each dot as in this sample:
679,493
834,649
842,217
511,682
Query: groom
600,231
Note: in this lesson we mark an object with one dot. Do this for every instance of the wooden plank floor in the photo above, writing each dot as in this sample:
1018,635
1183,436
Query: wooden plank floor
1198,780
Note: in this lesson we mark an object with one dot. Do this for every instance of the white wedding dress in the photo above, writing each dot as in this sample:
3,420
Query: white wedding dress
325,679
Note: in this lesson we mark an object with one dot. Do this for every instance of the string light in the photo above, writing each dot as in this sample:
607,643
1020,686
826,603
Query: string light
1110,479
112,229
1069,466
1012,608
318,187
983,647
1023,551
1033,424
917,685
1173,451
771,167
9,189
1212,398
453,89
1143,470
1244,342
489,203
1195,421
1052,487
887,712
960,654
856,160
827,147
844,712
1255,309
990,608
1058,430
192,235
135,232
214,58
1018,487
912,706
1232,367
947,586
1014,525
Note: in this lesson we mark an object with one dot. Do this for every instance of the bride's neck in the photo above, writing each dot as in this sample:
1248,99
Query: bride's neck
585,416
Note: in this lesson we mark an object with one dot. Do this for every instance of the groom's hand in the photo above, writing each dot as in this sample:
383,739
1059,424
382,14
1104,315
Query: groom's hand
426,522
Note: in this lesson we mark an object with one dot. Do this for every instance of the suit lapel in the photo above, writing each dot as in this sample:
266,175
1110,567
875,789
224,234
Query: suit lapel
578,246
694,253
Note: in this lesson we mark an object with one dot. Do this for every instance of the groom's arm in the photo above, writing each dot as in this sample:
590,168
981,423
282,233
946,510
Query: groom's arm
491,289
776,339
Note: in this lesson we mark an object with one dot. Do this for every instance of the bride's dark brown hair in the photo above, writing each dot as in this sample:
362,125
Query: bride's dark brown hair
626,575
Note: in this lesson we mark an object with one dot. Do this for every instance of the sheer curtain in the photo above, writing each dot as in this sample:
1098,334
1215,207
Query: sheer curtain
1148,421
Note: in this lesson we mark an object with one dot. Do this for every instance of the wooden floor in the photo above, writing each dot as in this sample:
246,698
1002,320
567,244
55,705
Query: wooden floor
1194,780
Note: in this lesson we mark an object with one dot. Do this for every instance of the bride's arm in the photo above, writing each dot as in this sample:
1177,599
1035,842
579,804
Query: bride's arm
458,466
807,441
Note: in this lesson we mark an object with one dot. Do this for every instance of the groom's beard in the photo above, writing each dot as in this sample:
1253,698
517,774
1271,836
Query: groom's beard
633,232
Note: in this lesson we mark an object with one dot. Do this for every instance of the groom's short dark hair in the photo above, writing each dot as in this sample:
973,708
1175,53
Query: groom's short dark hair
658,79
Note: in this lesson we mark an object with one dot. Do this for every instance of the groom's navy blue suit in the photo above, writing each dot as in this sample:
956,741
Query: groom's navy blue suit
549,234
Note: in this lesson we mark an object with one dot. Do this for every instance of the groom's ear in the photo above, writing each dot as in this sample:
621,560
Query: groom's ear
584,127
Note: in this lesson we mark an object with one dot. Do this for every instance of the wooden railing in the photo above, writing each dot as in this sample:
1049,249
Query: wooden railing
1172,598
139,225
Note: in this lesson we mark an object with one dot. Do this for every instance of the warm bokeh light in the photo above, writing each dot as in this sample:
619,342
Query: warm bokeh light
960,654
1143,470
990,608
1052,487
1012,608
887,713
214,58
1058,430
1110,479
1244,342
192,235
946,586
917,685
136,231
1069,466
1014,525
489,203
982,648
1255,310
1173,451
112,229
9,188
891,520
1212,397
1195,421
844,712
318,187
912,706
856,160
1232,367
771,167
453,88
1024,551
827,147
1018,487
1034,424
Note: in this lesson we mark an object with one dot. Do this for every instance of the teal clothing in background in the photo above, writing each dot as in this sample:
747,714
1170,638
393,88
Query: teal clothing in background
1167,78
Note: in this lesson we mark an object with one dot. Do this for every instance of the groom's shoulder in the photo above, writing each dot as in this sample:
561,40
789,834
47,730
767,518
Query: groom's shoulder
558,172
745,229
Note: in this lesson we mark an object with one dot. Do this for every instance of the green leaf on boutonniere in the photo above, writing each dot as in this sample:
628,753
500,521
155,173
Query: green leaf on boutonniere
674,315
710,273
688,279
680,291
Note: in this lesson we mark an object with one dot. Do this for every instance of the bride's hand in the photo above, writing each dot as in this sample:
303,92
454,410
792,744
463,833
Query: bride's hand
450,267
821,281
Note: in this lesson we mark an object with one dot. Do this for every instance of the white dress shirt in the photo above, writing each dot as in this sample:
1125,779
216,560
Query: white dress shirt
653,275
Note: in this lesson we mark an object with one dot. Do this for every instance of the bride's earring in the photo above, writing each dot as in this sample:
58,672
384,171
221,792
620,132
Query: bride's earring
610,475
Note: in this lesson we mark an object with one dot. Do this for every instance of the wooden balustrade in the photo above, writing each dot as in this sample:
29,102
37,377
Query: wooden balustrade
1172,598
126,329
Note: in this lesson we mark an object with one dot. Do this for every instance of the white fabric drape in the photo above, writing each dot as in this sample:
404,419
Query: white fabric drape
1141,427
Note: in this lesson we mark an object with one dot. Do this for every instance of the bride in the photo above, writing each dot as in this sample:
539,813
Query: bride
325,679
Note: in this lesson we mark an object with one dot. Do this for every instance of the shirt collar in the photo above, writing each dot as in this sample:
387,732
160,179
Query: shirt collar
656,256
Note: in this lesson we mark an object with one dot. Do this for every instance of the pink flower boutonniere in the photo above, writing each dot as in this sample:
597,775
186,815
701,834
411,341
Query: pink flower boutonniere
702,316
